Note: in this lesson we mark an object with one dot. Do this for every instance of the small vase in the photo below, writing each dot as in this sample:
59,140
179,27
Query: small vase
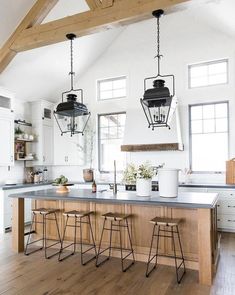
143,187
88,175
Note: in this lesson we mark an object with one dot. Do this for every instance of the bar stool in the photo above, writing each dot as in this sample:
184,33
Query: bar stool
44,213
117,221
78,217
169,227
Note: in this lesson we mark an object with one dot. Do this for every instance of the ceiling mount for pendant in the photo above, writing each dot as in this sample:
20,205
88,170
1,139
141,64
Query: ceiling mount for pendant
72,116
159,103
158,13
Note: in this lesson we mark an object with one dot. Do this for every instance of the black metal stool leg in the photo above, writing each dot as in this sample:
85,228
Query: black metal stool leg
124,269
158,238
129,235
45,237
93,246
150,254
71,244
182,258
29,237
100,252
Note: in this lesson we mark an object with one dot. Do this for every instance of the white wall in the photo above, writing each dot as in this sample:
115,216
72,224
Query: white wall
183,42
16,173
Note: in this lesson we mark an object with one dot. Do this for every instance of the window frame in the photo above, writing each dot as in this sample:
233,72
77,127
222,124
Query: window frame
109,79
208,63
190,135
98,138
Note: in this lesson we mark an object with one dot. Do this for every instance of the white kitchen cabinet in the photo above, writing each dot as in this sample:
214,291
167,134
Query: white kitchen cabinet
43,128
6,138
6,205
68,151
225,209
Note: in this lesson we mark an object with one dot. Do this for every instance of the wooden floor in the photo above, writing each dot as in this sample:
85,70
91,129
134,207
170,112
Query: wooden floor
34,275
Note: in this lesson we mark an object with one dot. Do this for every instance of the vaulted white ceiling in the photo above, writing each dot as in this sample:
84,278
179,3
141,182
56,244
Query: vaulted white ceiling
43,73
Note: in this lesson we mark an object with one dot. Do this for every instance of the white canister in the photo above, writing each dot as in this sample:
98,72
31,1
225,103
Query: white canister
168,181
143,187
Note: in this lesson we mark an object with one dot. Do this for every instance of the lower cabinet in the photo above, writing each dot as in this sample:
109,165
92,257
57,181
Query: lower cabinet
225,206
6,204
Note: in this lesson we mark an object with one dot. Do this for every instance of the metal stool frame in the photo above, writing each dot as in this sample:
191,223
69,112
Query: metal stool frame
111,229
44,235
175,257
78,220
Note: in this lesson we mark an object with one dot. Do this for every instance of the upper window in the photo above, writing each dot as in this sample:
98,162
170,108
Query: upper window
208,73
110,137
208,137
111,88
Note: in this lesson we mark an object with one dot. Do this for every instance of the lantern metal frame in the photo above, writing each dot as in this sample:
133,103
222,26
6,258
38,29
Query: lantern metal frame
157,13
72,98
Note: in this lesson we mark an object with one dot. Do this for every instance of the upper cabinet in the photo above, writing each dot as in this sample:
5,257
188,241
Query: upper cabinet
68,151
6,128
42,121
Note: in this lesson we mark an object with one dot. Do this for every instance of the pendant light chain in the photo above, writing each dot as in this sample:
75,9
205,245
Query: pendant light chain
158,44
72,73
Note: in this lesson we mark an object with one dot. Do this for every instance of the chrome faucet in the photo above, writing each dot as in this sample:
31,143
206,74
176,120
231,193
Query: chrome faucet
114,185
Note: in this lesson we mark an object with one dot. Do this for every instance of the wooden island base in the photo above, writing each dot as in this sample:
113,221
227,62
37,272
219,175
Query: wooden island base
198,230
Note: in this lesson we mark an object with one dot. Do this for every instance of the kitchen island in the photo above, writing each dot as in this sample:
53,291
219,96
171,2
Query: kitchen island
198,228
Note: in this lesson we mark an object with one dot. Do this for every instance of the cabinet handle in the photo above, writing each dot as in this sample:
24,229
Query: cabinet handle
230,220
67,158
218,205
231,206
218,219
44,158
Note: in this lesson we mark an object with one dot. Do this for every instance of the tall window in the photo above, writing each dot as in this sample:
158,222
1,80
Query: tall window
208,136
110,136
111,88
208,73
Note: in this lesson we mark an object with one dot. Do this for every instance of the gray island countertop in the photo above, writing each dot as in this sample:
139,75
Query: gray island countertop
184,199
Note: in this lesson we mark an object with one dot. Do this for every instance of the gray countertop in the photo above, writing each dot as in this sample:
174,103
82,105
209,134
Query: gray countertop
22,185
184,200
192,185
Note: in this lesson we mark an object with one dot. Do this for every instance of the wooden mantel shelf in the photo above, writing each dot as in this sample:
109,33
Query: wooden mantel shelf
152,147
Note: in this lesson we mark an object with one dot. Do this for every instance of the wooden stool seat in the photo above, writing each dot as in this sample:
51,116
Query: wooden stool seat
44,211
165,221
79,214
115,216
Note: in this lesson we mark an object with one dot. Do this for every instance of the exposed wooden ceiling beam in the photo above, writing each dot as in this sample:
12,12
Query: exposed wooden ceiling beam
35,16
93,4
122,12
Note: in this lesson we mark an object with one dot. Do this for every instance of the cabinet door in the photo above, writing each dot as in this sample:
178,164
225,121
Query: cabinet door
60,147
6,140
75,155
48,146
68,150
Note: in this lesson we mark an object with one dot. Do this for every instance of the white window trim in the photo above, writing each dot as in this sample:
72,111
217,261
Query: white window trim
208,63
190,136
98,139
110,79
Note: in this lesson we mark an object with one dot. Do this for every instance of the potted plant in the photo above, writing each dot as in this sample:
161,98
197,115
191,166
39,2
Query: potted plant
62,183
141,175
88,173
18,133
144,177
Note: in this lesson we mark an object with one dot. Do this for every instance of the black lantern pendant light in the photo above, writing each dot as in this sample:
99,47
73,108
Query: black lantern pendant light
72,116
159,103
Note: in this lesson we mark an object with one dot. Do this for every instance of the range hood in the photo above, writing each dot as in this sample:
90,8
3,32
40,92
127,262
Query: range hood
138,137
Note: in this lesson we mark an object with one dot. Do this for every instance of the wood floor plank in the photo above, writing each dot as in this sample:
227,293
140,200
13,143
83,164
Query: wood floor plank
34,275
